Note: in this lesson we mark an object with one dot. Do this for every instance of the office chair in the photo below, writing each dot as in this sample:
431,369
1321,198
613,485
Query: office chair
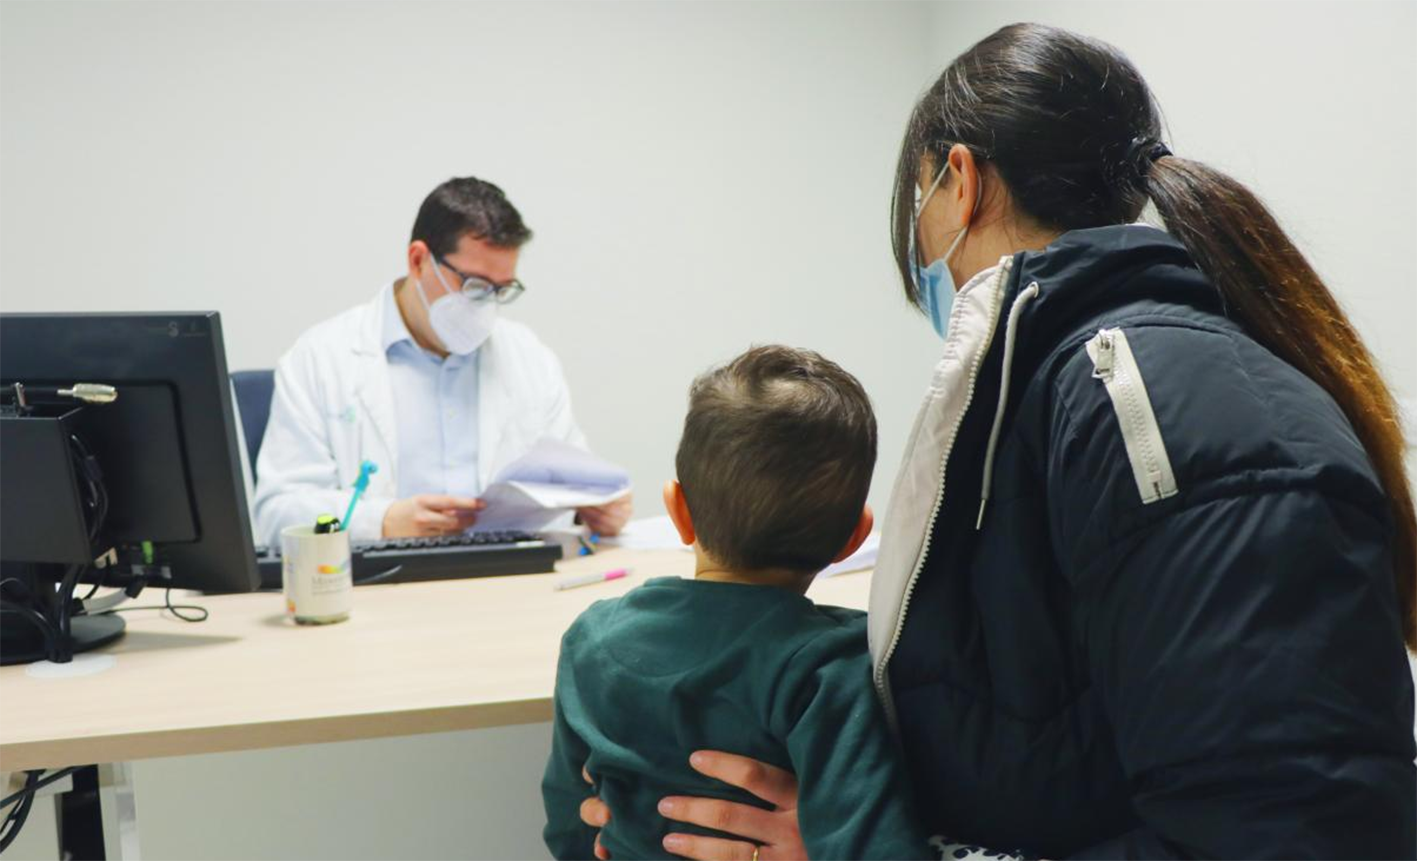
254,390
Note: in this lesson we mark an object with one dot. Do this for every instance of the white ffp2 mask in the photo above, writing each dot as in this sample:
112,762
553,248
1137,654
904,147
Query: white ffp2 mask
462,324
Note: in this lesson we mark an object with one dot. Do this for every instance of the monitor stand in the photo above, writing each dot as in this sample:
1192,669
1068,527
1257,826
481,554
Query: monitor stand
22,643
40,592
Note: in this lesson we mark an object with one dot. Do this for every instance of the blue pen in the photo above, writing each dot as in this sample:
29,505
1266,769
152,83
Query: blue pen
366,469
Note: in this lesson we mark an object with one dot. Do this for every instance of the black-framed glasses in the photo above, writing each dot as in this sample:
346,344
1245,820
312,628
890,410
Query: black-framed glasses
479,289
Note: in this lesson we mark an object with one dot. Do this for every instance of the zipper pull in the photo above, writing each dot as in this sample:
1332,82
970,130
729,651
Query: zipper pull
1106,355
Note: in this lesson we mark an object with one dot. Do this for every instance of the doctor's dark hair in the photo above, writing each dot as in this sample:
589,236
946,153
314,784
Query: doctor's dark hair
1070,128
776,459
472,207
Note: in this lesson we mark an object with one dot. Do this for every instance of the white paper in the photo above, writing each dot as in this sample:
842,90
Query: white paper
864,557
658,533
649,533
549,480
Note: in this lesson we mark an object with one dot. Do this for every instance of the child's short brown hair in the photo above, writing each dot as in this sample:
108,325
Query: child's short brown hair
776,459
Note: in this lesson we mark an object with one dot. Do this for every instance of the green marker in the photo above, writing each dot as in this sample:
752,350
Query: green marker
325,524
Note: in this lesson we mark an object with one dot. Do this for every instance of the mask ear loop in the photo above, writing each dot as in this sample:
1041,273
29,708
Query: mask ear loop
978,197
441,280
928,194
919,208
422,293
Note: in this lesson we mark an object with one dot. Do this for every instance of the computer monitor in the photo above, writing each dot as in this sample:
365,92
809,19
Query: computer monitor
166,448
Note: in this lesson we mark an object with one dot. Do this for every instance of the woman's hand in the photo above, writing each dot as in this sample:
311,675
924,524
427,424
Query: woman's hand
768,835
595,813
773,833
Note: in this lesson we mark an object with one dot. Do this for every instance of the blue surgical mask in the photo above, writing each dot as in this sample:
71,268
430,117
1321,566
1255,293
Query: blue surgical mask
937,287
935,282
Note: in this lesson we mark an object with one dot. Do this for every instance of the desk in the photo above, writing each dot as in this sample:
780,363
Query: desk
414,658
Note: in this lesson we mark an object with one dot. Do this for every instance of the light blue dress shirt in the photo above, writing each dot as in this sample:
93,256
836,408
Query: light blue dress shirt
436,404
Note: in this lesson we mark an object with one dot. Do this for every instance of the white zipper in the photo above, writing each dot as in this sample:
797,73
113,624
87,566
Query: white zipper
882,687
1114,364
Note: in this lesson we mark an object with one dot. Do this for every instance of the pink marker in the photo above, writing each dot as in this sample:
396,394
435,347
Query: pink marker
587,579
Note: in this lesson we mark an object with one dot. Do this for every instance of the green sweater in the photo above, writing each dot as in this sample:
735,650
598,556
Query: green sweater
678,665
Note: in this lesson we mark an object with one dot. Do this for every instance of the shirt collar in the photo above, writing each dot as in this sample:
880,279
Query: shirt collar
394,328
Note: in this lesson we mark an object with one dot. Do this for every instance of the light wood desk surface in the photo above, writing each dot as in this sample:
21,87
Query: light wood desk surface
412,658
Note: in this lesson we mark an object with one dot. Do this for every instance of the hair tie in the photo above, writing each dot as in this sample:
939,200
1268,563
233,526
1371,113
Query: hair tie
1142,152
1139,156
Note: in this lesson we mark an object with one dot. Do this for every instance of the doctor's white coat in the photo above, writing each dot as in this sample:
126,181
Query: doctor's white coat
334,407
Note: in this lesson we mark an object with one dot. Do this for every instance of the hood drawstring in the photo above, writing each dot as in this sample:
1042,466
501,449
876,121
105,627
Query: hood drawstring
1028,294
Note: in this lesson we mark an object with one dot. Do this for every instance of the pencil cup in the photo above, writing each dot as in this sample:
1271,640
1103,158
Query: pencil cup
315,575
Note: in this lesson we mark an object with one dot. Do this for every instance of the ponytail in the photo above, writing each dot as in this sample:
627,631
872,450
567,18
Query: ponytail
1281,301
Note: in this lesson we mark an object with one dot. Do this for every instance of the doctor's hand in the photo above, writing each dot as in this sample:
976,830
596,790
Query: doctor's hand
608,519
430,514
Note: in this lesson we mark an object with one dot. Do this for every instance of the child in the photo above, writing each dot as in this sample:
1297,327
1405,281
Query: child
774,466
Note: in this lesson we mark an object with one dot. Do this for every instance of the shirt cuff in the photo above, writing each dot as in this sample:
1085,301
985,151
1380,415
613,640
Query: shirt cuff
367,524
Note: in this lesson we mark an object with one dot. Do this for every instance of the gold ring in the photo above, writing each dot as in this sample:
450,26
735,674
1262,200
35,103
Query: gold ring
755,853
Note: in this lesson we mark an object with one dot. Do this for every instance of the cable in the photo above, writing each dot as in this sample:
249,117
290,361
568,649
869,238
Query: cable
95,606
39,783
45,626
96,504
99,585
88,469
15,819
17,816
378,578
64,642
171,608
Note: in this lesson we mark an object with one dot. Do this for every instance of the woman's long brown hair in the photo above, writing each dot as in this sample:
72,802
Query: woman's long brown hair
1282,303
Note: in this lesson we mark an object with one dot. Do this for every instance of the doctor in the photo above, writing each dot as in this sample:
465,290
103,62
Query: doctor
427,380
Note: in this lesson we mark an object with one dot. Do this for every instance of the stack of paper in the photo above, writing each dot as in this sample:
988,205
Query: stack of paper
545,483
649,533
658,533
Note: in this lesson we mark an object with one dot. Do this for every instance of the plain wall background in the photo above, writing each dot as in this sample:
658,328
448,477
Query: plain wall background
1313,105
700,177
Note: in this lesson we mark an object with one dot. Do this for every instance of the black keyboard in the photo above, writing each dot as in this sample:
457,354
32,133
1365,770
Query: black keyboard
448,557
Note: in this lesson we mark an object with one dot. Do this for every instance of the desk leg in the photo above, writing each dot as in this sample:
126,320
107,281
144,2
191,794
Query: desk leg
119,810
98,819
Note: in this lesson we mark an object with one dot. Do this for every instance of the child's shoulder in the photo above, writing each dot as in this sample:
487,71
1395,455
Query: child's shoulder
832,633
832,622
842,616
592,619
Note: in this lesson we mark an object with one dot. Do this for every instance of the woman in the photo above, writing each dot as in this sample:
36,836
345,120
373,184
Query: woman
1150,561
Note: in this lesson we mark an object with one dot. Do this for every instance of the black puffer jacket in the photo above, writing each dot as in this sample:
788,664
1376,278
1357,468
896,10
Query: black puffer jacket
1176,633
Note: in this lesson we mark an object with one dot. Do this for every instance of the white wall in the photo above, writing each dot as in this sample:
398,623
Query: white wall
1313,105
474,794
700,177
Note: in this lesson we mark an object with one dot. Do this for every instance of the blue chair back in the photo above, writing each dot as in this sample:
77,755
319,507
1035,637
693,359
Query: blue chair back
254,390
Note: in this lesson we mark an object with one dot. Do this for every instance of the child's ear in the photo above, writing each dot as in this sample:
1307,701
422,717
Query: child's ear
858,535
678,509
